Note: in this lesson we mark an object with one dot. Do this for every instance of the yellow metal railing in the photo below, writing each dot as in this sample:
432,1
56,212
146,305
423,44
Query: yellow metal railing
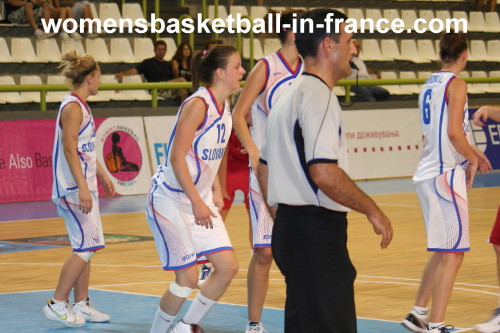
155,86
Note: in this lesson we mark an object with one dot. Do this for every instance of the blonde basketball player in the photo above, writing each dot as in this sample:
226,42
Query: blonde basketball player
74,191
183,203
263,87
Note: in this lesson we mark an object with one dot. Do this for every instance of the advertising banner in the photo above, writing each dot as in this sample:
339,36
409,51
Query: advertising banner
487,139
158,129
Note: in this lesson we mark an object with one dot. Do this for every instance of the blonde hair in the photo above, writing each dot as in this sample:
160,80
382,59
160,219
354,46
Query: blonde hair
76,67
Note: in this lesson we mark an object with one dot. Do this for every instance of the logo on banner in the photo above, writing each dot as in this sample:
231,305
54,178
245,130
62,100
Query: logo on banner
122,154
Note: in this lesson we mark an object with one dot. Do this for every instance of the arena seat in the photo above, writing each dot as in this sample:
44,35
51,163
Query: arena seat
409,16
426,49
11,97
494,87
476,22
97,47
409,51
55,96
133,11
48,50
373,52
492,22
4,51
121,50
393,89
72,44
114,95
33,96
139,95
390,49
410,88
22,50
143,48
493,47
109,10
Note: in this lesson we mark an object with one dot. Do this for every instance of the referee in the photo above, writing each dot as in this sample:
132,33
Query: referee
302,170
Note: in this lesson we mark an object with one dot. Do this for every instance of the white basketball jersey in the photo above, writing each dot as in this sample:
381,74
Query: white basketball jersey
64,182
204,156
279,76
439,155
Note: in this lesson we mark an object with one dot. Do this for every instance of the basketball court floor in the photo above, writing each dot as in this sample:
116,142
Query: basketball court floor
127,280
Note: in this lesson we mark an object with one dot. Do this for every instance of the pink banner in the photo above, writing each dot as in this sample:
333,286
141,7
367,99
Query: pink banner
26,160
26,157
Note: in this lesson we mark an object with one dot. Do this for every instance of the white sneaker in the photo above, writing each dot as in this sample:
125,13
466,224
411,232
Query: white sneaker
182,327
441,329
63,313
255,328
205,271
64,36
76,36
85,310
415,322
492,325
40,34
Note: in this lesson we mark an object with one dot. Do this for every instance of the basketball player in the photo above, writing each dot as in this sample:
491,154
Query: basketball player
263,86
493,324
74,191
182,206
446,170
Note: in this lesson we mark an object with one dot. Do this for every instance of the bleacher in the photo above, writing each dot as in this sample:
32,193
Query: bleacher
407,55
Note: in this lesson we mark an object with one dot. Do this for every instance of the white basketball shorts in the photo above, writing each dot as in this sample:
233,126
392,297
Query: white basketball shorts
179,240
84,230
444,205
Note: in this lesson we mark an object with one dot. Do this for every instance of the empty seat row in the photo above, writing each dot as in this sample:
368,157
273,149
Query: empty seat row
472,88
423,50
47,50
477,21
56,96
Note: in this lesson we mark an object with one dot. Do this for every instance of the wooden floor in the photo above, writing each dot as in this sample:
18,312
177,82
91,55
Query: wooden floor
385,287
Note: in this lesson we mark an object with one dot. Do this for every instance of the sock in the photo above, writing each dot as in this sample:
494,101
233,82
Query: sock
421,310
253,323
57,302
434,325
162,322
198,309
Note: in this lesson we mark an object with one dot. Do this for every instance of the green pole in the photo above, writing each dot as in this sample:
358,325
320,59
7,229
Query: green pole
347,93
191,35
203,9
43,102
157,13
154,98
216,15
145,8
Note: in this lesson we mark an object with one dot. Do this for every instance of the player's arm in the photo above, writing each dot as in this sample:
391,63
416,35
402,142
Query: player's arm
70,120
457,94
192,115
483,113
253,85
107,184
337,185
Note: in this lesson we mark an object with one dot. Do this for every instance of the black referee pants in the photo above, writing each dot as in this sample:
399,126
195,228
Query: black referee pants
309,247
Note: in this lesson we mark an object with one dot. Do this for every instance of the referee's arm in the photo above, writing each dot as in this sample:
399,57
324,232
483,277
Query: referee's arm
337,185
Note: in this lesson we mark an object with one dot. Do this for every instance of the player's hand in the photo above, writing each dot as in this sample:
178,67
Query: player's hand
470,173
218,200
108,186
253,156
203,215
381,226
480,116
85,200
272,211
225,195
483,163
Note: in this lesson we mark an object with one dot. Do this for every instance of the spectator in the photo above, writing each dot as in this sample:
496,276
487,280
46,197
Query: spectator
181,62
32,12
156,69
81,10
366,93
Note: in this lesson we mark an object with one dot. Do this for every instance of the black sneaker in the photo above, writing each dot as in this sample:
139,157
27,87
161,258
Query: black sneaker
415,322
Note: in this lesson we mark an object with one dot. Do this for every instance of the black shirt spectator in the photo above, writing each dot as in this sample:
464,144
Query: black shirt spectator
155,70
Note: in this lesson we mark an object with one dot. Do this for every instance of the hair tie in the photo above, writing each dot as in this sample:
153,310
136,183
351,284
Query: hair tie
283,28
204,52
